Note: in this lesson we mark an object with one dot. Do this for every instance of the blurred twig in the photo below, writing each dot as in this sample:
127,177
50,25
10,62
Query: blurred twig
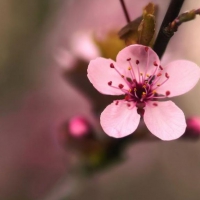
163,38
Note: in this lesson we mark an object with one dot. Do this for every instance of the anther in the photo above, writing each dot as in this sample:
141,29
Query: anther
129,68
120,86
146,49
110,83
137,62
135,89
154,91
161,67
117,102
148,75
127,97
130,90
141,74
155,104
144,86
159,74
128,59
122,76
128,104
129,79
155,63
144,95
166,75
167,93
158,85
112,65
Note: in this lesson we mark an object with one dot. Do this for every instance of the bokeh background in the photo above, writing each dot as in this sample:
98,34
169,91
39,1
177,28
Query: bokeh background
51,144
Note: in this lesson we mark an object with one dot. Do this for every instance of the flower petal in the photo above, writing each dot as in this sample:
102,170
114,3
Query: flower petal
165,120
119,119
183,76
141,57
101,74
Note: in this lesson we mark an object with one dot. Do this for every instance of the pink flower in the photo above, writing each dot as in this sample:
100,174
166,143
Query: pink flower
138,75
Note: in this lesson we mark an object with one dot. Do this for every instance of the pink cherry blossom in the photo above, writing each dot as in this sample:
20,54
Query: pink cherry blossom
147,85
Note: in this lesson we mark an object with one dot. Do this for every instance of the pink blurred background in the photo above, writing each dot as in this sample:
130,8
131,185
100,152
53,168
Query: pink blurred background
41,43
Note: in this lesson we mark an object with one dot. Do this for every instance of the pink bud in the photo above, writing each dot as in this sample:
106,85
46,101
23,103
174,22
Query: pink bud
193,128
78,126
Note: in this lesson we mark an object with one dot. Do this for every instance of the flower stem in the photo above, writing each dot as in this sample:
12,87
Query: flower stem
125,11
163,38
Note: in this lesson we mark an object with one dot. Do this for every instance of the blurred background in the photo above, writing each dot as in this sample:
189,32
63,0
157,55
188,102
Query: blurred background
51,144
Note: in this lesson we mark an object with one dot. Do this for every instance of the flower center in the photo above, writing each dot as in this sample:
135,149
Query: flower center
142,86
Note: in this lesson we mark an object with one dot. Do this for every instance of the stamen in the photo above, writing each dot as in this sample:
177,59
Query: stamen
158,85
167,93
129,80
156,68
166,75
127,97
146,69
131,70
151,79
155,63
110,83
120,86
154,92
159,74
145,88
135,90
143,95
138,71
112,65
161,68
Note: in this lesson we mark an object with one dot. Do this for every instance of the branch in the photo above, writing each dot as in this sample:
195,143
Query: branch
163,38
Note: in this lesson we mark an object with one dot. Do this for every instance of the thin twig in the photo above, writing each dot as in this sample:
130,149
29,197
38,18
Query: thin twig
125,11
184,17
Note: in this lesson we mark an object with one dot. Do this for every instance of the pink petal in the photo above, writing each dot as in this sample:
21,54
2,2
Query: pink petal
119,119
165,120
101,74
140,56
183,76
